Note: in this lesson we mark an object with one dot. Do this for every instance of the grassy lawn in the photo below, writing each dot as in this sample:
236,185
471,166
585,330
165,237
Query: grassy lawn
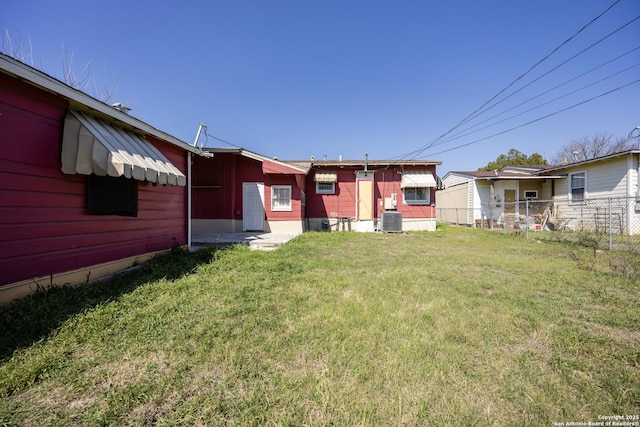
455,327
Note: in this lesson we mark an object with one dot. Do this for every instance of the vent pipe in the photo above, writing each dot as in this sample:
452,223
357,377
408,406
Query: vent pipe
121,107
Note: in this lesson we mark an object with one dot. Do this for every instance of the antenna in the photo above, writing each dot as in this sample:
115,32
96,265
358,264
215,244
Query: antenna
200,128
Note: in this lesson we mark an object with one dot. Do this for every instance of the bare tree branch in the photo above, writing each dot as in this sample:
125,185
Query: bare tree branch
590,147
84,80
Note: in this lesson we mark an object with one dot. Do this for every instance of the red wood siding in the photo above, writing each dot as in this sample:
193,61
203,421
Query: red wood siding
343,202
296,204
217,187
44,227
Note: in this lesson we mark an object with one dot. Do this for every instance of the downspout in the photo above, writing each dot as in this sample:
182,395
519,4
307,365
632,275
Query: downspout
189,160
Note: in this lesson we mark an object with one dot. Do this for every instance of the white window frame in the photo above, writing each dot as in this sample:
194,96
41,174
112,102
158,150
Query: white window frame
570,187
284,202
426,201
533,196
332,190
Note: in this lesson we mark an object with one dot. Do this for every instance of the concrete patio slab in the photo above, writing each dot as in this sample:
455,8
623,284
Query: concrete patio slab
255,240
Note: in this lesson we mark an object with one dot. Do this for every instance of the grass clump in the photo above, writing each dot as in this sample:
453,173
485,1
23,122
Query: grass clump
454,327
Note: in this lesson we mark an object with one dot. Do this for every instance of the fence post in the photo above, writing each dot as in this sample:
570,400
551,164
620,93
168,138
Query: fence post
526,221
610,226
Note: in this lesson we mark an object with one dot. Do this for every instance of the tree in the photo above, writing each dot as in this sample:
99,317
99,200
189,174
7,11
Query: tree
13,46
590,147
515,158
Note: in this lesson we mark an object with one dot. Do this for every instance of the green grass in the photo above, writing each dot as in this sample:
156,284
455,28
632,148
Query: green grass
454,327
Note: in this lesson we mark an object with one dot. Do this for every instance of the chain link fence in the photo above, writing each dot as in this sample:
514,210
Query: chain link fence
611,223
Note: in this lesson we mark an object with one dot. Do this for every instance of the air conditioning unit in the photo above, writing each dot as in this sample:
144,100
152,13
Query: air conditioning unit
391,222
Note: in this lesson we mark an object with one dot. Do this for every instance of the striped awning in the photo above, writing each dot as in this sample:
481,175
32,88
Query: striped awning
417,178
92,146
325,177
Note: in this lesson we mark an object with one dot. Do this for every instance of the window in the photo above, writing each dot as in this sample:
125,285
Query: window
325,182
417,195
325,187
577,187
531,194
281,198
107,195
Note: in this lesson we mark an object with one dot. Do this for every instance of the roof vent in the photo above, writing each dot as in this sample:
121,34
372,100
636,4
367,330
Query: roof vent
121,107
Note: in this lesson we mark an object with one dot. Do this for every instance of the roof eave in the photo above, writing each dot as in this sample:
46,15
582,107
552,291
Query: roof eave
80,99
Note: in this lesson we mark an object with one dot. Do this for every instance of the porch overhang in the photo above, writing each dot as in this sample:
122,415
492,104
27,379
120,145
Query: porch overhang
92,146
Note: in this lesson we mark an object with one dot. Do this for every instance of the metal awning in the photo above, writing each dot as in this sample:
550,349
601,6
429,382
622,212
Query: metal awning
325,177
414,179
90,145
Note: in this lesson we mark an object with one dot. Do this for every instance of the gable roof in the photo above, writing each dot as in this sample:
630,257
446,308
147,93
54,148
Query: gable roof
556,168
269,165
81,101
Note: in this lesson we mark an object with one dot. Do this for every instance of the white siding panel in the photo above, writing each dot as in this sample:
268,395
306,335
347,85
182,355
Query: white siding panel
454,179
452,204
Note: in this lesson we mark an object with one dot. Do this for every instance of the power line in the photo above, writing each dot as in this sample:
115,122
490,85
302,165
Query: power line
461,134
538,119
558,66
219,139
475,112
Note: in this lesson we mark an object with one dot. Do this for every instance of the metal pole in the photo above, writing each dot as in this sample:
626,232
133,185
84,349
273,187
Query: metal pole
526,219
610,227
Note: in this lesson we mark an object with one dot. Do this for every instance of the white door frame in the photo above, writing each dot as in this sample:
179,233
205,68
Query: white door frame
253,207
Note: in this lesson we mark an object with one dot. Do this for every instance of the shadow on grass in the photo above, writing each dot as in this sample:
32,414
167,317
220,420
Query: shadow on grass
26,321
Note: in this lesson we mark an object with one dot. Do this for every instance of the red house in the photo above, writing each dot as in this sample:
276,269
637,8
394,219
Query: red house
371,195
236,190
85,189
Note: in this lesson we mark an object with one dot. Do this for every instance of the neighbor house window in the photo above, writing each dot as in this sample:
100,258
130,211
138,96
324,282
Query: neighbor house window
325,187
281,198
107,195
531,194
577,186
417,195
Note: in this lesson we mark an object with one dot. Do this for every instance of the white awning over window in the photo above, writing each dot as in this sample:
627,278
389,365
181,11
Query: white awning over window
415,179
325,177
90,145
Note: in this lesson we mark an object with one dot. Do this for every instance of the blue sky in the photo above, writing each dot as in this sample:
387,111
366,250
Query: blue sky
301,78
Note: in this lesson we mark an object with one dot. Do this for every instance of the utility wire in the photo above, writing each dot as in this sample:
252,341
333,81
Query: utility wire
454,136
556,67
221,140
438,140
461,134
474,113
538,119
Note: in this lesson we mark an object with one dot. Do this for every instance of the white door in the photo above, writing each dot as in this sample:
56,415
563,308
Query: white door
253,206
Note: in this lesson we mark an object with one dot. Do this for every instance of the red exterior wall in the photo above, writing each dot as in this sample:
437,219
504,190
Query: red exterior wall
44,227
343,202
217,188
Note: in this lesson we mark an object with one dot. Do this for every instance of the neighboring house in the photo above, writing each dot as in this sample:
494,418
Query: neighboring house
490,196
86,189
237,190
599,192
576,193
359,192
